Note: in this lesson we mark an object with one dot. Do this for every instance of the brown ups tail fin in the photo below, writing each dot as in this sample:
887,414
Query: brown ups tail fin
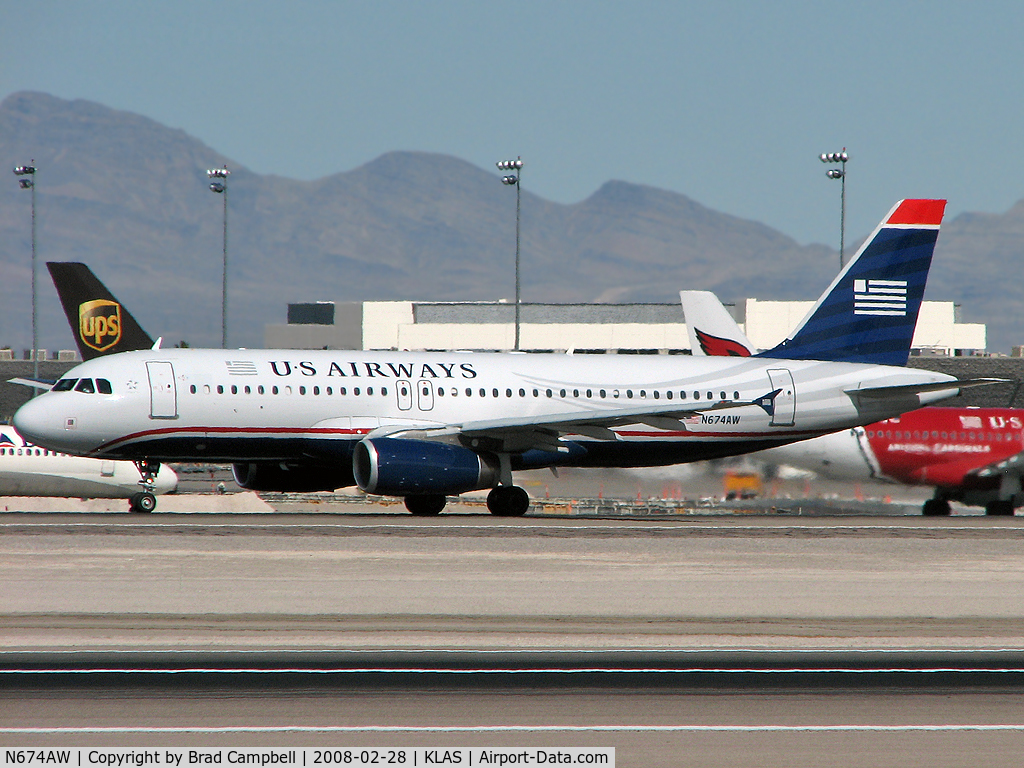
99,323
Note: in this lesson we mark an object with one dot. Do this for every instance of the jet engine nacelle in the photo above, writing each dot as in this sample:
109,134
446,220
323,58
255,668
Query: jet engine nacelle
394,467
296,478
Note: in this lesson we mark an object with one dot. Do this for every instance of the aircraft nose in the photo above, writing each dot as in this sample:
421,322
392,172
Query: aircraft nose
39,423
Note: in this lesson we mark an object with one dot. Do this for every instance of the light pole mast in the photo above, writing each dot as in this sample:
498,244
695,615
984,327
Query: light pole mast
838,157
220,186
27,180
513,180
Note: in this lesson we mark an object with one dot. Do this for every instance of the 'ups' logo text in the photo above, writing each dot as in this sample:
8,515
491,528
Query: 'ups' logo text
99,324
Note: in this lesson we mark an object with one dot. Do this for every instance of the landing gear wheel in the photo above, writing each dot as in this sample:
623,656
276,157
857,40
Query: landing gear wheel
143,502
508,501
936,508
425,506
1000,507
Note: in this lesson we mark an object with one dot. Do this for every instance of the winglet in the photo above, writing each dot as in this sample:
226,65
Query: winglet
869,312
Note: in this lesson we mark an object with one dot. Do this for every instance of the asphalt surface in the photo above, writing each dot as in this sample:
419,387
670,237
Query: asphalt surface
693,641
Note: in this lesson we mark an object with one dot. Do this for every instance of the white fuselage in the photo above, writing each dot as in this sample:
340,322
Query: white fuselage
844,455
244,405
28,470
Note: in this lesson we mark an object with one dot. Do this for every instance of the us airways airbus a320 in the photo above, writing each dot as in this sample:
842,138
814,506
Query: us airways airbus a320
425,426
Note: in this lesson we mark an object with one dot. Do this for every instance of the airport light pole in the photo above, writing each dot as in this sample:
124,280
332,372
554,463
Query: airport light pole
219,184
27,180
833,173
512,179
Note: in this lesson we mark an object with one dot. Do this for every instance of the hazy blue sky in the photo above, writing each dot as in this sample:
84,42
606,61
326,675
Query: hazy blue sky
729,103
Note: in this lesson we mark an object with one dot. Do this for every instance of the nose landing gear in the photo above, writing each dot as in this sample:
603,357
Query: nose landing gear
145,500
142,502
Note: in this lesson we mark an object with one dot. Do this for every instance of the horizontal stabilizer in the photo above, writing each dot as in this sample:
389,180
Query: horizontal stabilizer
913,389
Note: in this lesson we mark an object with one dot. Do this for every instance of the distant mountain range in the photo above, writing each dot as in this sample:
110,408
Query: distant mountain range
129,197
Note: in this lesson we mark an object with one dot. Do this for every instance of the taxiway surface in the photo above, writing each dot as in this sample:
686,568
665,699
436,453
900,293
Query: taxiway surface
363,591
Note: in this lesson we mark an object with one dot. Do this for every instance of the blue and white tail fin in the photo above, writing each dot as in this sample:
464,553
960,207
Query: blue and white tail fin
711,329
869,312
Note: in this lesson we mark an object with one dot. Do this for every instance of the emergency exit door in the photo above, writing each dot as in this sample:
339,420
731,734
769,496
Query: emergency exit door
425,394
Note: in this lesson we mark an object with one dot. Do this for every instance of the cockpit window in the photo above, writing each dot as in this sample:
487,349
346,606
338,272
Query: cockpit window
85,385
65,385
103,387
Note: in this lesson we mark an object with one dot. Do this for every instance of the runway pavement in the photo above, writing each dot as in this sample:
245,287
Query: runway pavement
259,582
690,641
651,725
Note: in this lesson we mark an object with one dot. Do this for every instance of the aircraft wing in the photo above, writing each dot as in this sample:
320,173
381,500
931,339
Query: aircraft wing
35,384
1012,464
522,433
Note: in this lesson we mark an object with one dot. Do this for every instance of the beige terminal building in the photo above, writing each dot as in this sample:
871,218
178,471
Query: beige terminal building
582,328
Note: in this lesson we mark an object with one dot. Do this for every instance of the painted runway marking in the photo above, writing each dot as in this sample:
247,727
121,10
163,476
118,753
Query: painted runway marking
683,525
514,671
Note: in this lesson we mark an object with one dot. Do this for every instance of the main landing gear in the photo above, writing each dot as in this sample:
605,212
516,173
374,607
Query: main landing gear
503,501
939,507
425,506
936,507
144,500
1000,508
508,501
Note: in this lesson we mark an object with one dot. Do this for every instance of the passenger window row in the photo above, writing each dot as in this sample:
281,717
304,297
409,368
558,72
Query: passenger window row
591,394
234,389
919,435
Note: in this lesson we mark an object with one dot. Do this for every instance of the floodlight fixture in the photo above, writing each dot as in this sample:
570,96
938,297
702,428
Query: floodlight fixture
21,172
219,185
512,180
837,173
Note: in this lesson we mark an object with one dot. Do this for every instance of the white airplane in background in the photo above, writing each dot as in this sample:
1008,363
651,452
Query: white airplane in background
424,426
100,326
27,470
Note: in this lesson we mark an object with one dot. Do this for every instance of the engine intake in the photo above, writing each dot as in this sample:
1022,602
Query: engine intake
296,478
394,467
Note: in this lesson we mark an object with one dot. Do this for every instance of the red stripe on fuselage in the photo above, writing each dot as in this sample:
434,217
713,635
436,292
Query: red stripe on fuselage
200,432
